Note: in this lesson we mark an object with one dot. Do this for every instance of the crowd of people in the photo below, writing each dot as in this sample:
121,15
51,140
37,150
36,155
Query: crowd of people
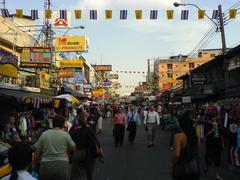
72,139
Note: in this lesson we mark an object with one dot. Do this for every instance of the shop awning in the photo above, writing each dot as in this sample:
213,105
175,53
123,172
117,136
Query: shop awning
23,94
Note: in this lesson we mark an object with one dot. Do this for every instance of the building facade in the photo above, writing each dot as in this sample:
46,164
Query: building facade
168,70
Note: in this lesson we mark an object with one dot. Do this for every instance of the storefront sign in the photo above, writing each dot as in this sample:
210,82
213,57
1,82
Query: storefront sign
44,81
35,57
198,78
99,92
8,64
71,63
186,99
65,73
103,67
72,44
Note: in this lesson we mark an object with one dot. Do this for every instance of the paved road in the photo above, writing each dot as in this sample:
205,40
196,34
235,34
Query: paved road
138,162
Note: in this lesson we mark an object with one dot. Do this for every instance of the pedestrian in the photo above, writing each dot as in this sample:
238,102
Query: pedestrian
53,146
185,163
172,125
93,118
214,144
151,121
83,159
109,113
100,120
119,121
11,134
20,158
133,118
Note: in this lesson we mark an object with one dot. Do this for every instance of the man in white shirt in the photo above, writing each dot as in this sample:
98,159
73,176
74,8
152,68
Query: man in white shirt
151,121
133,121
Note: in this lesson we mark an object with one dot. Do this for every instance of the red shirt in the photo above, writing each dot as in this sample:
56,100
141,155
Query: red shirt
120,118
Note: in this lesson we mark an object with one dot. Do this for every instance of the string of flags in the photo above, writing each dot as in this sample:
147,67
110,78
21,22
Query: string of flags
93,14
130,72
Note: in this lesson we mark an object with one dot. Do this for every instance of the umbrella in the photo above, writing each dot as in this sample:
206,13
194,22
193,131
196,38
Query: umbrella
69,98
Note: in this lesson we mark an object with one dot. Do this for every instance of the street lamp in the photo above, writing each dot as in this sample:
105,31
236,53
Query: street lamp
75,27
176,4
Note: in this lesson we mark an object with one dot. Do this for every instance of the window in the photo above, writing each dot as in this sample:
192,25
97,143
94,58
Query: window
185,65
170,75
163,66
191,65
176,66
169,66
212,55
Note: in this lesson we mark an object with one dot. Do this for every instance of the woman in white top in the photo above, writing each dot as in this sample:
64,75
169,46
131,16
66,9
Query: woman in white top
20,158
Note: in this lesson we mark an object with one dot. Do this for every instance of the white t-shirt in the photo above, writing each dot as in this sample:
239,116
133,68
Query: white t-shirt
22,175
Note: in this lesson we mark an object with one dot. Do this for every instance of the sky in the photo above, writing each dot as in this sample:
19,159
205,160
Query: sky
127,44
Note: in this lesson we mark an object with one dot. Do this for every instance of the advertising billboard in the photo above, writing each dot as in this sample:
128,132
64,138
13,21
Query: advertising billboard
8,64
103,67
71,63
34,57
65,73
71,44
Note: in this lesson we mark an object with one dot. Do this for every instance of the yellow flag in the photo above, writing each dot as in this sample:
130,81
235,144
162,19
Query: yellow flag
108,14
48,14
138,14
78,14
232,13
19,13
170,14
201,14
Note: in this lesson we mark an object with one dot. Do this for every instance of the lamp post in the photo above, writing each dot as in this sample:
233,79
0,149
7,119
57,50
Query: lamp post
75,27
215,24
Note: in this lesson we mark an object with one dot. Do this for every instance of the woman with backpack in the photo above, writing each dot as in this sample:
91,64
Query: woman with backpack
185,162
88,148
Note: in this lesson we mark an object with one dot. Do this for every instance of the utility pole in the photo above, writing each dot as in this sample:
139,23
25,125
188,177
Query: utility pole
224,48
148,72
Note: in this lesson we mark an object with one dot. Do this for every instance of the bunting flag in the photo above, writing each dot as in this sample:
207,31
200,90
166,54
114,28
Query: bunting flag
63,14
123,14
34,14
201,14
78,14
19,13
108,14
170,14
138,14
48,14
215,14
93,14
232,13
153,14
5,13
184,15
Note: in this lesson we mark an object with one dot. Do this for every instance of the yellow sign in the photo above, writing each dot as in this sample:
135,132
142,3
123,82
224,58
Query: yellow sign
99,92
44,80
71,63
71,44
8,70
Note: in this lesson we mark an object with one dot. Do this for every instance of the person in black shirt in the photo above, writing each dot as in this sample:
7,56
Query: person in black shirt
214,144
83,160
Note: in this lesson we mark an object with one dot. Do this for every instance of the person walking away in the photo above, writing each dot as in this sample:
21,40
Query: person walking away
151,122
214,144
133,117
20,158
119,121
83,160
185,150
172,125
93,118
53,146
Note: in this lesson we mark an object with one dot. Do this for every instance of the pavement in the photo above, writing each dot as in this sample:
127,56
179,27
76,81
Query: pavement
138,162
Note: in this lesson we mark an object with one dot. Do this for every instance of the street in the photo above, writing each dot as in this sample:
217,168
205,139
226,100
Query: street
138,162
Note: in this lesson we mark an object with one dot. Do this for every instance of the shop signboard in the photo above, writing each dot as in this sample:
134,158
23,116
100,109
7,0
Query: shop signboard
186,99
65,73
198,78
71,63
8,64
114,76
87,88
71,44
98,92
35,57
103,67
44,80
79,78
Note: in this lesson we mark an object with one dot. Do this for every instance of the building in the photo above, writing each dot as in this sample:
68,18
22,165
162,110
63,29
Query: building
168,70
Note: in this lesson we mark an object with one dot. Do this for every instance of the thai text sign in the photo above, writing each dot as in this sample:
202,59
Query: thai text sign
8,64
103,67
71,44
65,73
35,57
71,63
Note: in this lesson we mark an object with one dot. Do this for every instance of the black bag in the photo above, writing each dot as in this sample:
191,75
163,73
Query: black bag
146,128
93,148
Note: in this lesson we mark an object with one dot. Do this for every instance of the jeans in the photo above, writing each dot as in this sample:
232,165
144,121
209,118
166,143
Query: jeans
132,128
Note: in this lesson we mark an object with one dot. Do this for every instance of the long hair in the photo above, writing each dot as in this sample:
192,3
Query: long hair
186,125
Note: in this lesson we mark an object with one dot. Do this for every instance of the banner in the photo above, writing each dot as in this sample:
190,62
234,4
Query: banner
201,14
72,44
44,80
19,13
34,57
232,13
102,67
170,14
48,14
71,63
65,73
